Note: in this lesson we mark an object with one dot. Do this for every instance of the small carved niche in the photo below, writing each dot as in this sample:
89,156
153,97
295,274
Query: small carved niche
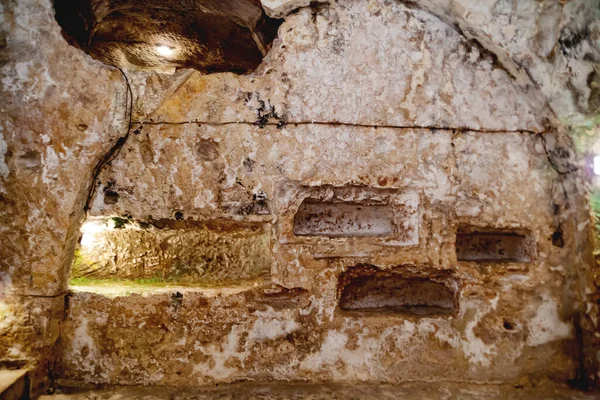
365,288
343,220
494,245
346,220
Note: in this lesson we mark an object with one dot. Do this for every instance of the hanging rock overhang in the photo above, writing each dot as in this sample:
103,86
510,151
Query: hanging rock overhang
207,35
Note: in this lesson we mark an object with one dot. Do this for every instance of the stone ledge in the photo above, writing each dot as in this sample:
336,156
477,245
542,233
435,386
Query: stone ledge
14,385
283,391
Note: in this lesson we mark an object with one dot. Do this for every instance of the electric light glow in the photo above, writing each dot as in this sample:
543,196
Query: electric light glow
597,165
91,228
165,51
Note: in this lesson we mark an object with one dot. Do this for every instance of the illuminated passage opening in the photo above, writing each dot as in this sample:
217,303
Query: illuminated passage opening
369,289
170,252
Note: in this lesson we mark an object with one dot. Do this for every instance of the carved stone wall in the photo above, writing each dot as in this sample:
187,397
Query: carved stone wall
375,144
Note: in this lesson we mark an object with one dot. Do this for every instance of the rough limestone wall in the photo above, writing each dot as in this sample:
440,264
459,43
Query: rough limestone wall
60,112
184,344
551,45
420,111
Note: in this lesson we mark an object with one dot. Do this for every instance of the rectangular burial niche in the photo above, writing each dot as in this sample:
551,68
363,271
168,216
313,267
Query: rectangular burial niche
342,220
171,252
494,245
368,289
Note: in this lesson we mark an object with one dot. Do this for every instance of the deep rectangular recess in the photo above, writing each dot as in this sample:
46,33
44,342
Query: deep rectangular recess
371,290
171,252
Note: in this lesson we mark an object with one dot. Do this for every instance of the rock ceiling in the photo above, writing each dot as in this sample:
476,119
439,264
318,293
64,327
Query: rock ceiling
210,36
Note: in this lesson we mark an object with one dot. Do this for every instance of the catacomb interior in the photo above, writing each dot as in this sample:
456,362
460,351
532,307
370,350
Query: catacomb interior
334,198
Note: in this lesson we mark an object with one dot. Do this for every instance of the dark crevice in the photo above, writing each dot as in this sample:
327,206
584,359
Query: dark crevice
558,238
509,326
553,164
116,148
484,51
209,36
561,175
570,39
536,85
41,296
337,123
581,381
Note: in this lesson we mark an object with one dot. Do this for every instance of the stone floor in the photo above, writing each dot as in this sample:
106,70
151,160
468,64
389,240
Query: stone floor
412,391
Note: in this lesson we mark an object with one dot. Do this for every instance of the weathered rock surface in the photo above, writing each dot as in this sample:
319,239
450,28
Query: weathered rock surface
464,141
421,73
416,391
60,111
553,46
193,340
508,312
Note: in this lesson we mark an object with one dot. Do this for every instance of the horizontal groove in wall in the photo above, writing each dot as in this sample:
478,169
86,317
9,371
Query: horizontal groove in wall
334,123
121,252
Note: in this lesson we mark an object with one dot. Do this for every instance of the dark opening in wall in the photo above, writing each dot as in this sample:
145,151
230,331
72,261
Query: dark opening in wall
208,35
494,245
343,220
365,288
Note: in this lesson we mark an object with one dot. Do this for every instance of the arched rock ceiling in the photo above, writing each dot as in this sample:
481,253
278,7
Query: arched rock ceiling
357,63
553,45
208,35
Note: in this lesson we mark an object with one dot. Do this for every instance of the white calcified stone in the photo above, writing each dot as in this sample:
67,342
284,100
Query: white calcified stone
525,37
280,8
421,72
546,325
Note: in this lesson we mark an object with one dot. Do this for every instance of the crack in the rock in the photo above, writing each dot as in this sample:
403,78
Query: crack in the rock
41,296
116,148
557,240
555,168
338,123
537,87
551,161
526,79
474,41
